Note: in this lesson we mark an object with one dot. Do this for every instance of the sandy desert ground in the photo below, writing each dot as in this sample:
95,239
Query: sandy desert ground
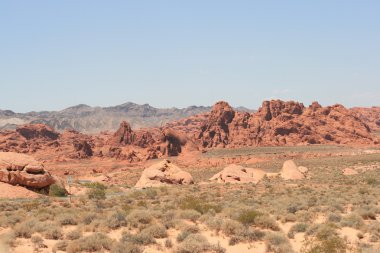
335,209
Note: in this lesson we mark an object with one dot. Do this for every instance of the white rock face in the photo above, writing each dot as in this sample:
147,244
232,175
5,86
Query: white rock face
290,171
238,174
163,173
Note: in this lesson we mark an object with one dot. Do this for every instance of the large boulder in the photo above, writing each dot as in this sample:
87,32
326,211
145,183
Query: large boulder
290,171
163,173
24,170
238,174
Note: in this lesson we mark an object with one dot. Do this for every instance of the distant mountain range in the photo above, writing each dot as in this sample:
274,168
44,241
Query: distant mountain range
87,119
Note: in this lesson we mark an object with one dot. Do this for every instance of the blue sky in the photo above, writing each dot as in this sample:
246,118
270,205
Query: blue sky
54,54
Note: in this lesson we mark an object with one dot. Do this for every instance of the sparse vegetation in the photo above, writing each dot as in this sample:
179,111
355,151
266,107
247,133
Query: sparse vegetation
320,210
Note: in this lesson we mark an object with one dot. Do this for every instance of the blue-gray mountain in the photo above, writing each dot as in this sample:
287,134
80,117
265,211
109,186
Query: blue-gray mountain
87,119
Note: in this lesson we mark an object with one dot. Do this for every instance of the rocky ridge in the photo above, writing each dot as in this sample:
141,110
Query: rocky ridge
276,123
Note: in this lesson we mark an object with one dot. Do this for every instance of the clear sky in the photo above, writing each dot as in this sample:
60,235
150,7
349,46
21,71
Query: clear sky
55,54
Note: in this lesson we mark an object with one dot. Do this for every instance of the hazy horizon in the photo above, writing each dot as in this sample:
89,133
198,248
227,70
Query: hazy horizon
54,55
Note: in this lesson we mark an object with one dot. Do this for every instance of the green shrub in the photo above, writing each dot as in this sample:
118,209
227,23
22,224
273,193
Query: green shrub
198,205
96,193
248,217
95,185
56,190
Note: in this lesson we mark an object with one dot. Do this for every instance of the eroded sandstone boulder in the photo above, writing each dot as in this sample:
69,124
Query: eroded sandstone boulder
238,174
24,170
164,172
215,130
290,171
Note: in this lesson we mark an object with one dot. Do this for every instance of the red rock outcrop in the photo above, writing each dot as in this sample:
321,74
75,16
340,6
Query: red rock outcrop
370,116
126,136
37,131
24,170
215,130
282,123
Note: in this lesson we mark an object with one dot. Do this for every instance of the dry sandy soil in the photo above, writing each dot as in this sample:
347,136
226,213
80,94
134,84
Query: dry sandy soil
327,212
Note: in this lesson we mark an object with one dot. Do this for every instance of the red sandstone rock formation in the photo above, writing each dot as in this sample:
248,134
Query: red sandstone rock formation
370,116
37,131
276,123
21,169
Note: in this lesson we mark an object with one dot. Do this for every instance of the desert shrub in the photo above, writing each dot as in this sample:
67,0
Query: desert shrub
194,243
186,231
67,219
88,218
250,235
137,217
367,213
297,228
168,243
290,217
151,193
10,218
25,229
126,247
74,234
277,243
248,217
182,236
60,246
189,214
213,223
372,181
37,241
96,194
266,222
193,229
9,239
142,238
92,243
116,220
56,190
333,217
352,220
53,232
326,240
156,231
95,185
198,205
373,228
232,227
